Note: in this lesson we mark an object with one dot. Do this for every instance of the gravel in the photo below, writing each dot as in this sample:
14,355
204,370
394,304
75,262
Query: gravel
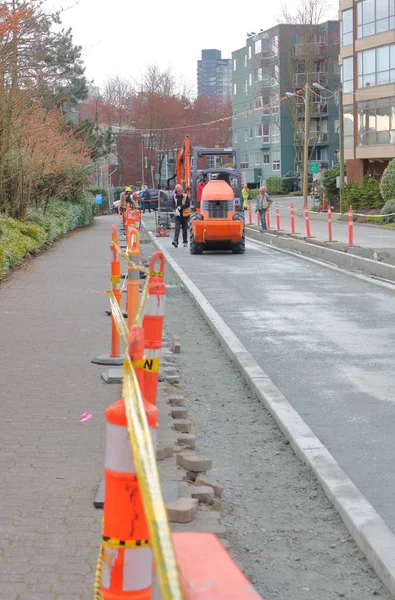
283,532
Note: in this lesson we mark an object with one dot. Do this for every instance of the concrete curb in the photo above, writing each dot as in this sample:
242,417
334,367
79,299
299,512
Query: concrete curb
368,529
344,260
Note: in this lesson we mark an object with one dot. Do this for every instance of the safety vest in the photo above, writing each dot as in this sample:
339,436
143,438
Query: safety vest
245,194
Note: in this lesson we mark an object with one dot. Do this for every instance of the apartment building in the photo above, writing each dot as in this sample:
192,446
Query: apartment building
214,75
367,57
265,129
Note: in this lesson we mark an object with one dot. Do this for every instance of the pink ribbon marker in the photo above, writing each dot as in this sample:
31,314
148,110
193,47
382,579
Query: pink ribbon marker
85,417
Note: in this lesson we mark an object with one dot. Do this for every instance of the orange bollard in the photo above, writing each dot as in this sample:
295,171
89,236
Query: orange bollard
350,227
268,218
127,554
292,209
306,216
258,219
133,244
153,328
249,214
114,358
138,219
330,223
278,217
323,200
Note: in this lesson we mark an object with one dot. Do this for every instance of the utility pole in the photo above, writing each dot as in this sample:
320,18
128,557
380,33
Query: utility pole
341,147
306,141
142,161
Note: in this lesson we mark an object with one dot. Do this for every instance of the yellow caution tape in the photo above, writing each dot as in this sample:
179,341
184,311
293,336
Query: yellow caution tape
126,257
98,576
147,474
115,279
143,301
113,543
152,365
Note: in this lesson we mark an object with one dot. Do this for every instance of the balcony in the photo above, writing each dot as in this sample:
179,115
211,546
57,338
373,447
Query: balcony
315,77
310,51
265,141
317,138
316,109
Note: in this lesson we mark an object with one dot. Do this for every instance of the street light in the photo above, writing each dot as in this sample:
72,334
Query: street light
320,87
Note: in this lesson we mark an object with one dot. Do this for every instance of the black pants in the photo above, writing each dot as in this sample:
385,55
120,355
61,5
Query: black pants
181,222
146,206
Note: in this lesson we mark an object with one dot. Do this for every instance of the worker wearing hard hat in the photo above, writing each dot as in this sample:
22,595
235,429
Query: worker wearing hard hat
182,212
263,203
128,196
245,192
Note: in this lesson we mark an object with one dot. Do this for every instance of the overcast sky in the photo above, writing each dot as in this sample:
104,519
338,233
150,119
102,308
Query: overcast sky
124,36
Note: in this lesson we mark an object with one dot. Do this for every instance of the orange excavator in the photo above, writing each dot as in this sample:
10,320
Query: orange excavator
217,218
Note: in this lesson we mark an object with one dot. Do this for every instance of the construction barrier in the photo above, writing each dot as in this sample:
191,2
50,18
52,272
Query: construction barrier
307,220
350,227
330,223
268,218
292,211
114,358
258,219
133,249
249,214
278,227
136,539
153,327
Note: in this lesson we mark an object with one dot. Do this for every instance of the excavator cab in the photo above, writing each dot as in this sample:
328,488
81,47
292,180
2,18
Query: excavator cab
217,220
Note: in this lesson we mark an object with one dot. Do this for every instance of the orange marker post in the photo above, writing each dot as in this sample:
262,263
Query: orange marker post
306,216
350,227
323,200
153,327
292,210
330,223
127,555
258,219
278,216
114,358
268,218
249,214
133,243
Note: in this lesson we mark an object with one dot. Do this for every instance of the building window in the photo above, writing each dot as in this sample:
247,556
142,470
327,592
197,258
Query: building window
259,130
234,89
234,113
257,159
251,160
276,161
246,135
266,158
258,47
348,75
258,74
245,60
258,102
346,27
376,122
244,165
274,45
275,134
375,16
275,104
276,75
266,133
234,64
249,51
249,78
251,132
245,86
348,127
235,137
376,66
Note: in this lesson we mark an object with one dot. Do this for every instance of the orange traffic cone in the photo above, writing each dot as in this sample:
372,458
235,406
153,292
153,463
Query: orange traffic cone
127,555
153,328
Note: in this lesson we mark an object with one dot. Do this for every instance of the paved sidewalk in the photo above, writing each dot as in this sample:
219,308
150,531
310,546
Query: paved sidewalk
52,323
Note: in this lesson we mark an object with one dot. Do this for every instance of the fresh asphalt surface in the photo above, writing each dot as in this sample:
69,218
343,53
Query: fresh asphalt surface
327,342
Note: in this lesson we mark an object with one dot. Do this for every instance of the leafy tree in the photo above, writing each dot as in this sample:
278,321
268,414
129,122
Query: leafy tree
387,184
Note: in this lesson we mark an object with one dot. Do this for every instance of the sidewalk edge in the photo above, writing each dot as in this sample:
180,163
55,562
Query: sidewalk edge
368,529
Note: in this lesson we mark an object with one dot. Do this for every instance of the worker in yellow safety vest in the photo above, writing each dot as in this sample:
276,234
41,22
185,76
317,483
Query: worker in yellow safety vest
245,192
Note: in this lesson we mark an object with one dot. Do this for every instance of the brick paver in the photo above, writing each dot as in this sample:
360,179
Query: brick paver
52,323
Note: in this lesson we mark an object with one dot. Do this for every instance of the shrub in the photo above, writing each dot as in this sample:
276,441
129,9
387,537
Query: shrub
289,183
19,239
328,185
364,197
388,209
274,185
387,184
105,207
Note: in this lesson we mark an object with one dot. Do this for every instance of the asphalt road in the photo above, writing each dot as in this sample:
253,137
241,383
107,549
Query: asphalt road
327,342
369,236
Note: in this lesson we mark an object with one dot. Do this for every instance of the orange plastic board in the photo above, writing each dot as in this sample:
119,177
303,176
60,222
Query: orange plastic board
207,571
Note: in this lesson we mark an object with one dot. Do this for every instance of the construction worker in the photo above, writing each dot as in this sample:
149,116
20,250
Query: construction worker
245,192
182,212
122,199
263,202
128,196
135,201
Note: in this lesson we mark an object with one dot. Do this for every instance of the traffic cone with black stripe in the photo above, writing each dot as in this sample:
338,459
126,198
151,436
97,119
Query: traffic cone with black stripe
127,555
153,327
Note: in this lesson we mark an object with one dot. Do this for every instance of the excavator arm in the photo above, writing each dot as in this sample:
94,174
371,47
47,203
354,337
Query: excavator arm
183,163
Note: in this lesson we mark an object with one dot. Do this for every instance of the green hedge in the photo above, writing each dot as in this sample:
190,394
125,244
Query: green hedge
387,184
363,197
19,239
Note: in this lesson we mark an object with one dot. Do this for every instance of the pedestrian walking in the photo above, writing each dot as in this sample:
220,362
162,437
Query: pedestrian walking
146,200
263,202
245,192
182,212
